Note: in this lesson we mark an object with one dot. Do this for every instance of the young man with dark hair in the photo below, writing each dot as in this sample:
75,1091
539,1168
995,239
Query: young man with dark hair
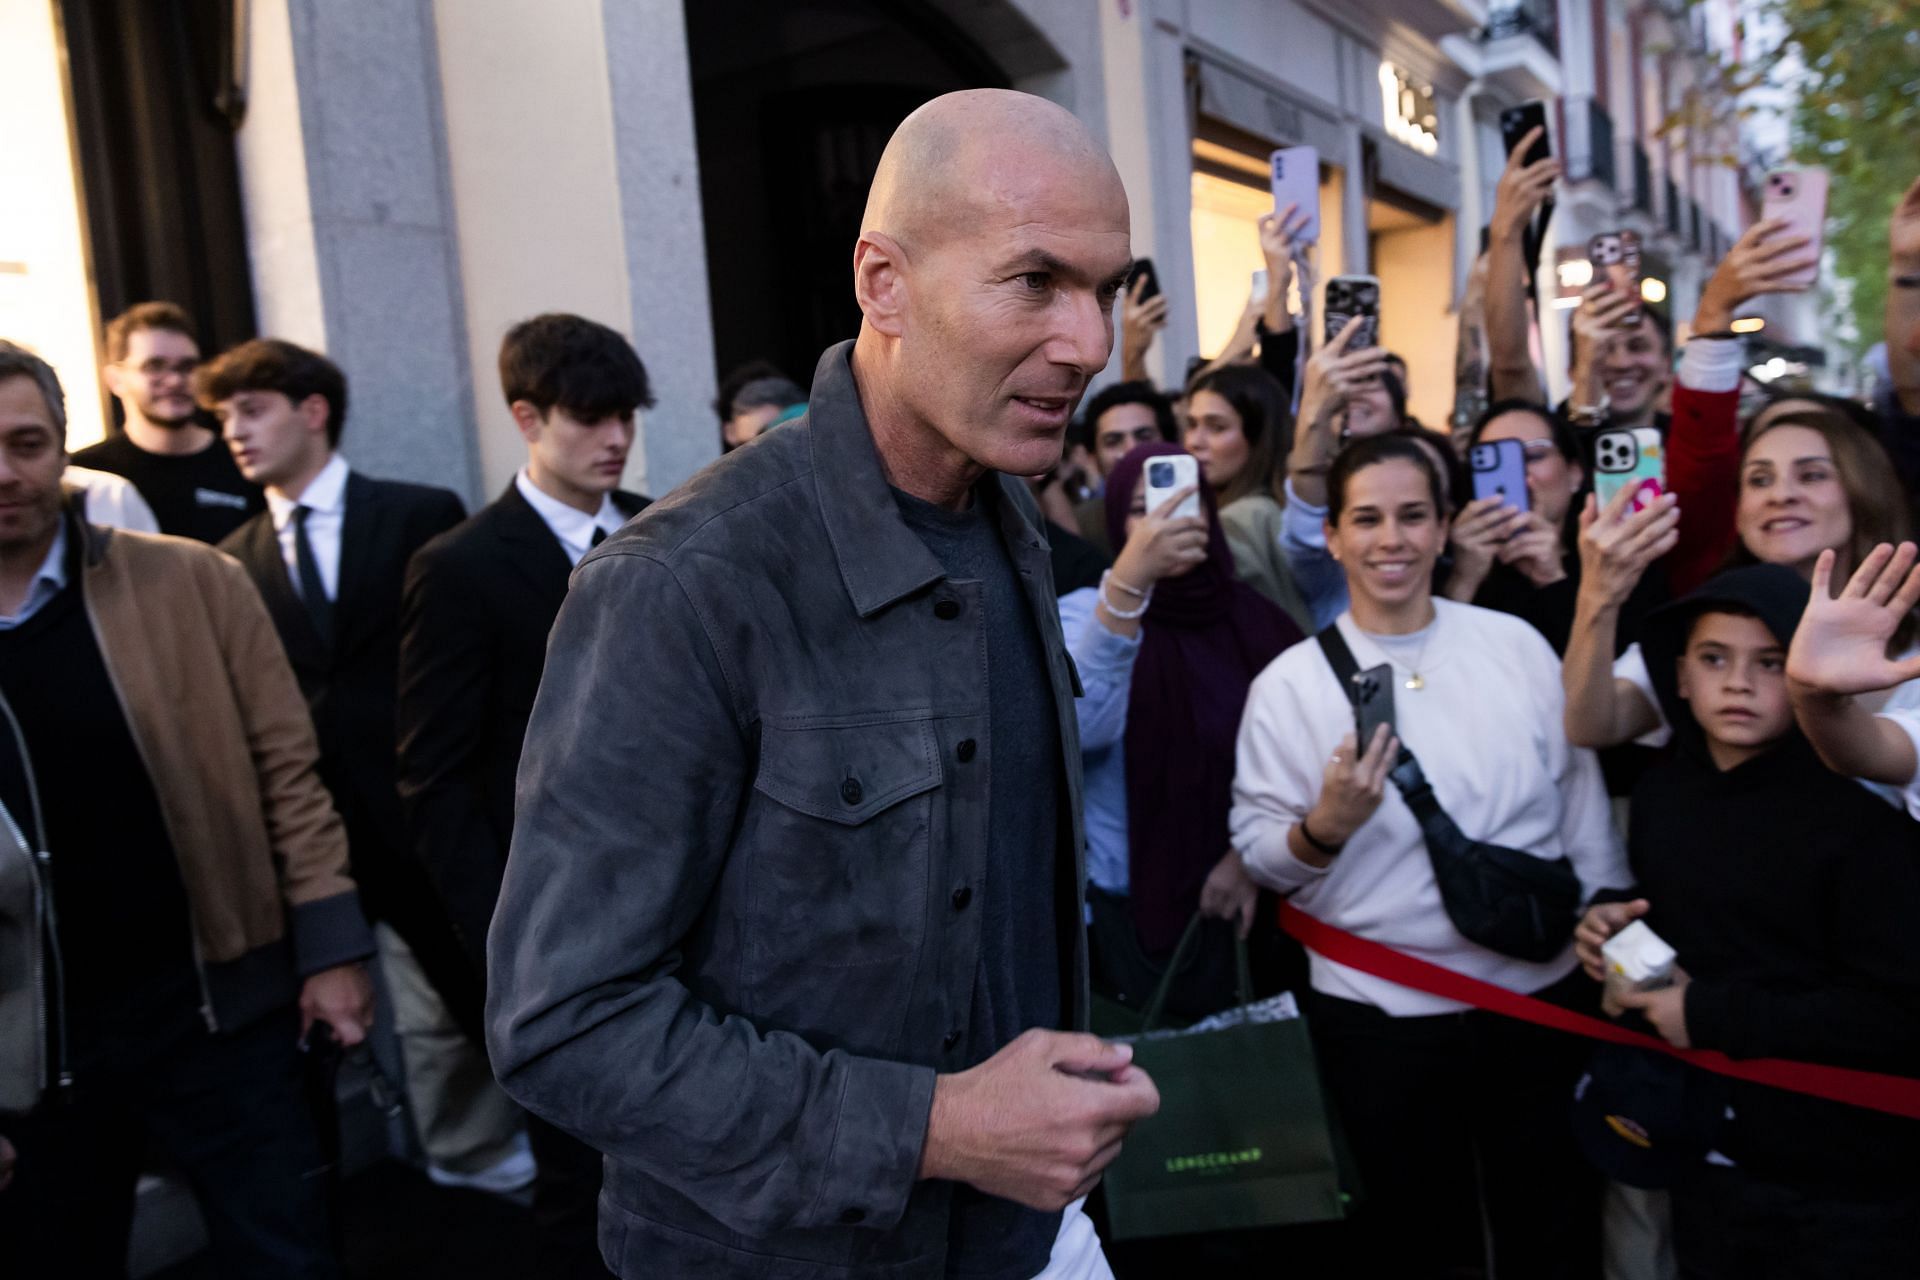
1118,418
187,912
330,556
479,602
172,458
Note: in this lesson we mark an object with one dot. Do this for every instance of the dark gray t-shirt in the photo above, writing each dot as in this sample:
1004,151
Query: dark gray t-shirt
1018,986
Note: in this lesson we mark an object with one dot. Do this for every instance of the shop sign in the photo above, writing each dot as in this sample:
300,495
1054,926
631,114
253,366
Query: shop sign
1411,116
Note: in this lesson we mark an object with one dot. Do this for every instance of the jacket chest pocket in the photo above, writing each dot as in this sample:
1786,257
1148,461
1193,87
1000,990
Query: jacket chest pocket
840,829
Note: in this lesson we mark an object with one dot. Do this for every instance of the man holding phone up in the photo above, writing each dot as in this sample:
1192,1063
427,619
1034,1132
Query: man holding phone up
793,910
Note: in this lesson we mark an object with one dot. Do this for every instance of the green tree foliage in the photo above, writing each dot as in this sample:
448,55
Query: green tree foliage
1854,66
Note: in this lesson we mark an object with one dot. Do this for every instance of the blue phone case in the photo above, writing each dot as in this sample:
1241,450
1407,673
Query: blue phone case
1500,470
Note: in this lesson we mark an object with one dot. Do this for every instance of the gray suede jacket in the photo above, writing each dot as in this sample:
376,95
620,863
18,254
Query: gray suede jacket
732,948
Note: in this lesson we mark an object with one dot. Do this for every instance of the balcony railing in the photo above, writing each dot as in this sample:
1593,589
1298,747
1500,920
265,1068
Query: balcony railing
1642,179
1537,18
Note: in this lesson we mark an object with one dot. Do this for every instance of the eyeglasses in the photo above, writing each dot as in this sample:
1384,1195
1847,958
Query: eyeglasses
1538,450
154,370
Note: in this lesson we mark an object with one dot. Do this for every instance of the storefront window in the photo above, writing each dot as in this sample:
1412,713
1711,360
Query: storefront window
1230,192
45,300
1413,257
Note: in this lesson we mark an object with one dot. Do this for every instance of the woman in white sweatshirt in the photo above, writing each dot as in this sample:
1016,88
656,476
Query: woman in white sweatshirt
1456,1118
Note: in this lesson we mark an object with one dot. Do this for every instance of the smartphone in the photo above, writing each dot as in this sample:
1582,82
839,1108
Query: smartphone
1143,270
1624,459
1500,471
1372,703
1169,475
1615,256
1798,197
1516,122
1296,181
1349,296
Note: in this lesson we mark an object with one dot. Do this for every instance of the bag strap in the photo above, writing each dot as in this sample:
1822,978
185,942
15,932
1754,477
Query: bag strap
1878,1091
1243,971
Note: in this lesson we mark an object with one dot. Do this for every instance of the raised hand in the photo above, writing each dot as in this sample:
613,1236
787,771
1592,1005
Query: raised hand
1761,261
1139,322
1602,921
1618,544
1353,787
1335,374
1477,535
1535,550
1840,646
1522,188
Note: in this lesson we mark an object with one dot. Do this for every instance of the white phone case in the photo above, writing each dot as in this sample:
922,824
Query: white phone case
1167,476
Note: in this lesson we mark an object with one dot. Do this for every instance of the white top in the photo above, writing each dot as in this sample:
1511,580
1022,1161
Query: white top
1487,731
1901,704
111,500
325,498
48,581
572,526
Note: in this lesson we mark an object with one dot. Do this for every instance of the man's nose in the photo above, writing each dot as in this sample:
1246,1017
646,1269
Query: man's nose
1085,337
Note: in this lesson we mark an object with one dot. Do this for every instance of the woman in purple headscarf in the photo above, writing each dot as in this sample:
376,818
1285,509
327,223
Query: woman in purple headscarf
1167,646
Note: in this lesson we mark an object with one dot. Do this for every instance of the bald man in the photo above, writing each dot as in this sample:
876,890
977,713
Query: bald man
791,922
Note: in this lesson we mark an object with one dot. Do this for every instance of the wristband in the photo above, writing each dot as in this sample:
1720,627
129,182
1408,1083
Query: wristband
1123,615
1325,850
1135,592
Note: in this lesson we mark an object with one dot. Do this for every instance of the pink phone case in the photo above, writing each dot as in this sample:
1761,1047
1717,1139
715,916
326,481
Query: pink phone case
1799,198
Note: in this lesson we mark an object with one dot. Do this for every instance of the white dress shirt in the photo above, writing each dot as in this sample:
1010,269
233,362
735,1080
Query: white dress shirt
572,526
325,498
111,500
1487,730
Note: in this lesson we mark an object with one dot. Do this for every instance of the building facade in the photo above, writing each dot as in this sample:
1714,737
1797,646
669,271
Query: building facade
397,181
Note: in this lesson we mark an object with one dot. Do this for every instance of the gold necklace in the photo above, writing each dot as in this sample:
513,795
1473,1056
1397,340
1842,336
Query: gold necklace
1415,681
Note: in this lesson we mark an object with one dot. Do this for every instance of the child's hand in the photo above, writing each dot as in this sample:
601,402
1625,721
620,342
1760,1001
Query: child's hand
1602,921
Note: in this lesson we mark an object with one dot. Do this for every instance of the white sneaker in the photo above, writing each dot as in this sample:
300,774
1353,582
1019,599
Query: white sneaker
514,1172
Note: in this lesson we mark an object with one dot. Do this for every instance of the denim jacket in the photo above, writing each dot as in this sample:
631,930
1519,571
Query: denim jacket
737,936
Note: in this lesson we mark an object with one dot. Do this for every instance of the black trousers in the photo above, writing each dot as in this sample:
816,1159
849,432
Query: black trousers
227,1109
1460,1125
1730,1225
566,1203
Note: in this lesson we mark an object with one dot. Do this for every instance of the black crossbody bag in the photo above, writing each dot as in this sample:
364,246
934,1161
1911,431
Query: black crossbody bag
1505,900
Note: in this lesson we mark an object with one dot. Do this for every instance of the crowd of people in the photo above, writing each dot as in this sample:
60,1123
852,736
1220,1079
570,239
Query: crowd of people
740,886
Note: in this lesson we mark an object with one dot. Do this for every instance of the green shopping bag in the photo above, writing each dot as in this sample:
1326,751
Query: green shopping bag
1243,1137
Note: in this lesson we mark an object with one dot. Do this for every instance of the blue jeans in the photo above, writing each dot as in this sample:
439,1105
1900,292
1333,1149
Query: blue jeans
228,1110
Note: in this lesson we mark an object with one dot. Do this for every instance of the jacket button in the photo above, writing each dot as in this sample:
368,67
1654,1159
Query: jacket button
853,1216
961,897
946,609
966,750
850,791
949,1040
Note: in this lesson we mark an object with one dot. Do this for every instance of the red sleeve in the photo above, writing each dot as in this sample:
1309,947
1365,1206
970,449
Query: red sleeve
1703,471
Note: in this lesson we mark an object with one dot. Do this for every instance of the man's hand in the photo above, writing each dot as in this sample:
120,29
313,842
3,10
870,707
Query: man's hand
1602,921
1759,262
1521,190
1040,1120
341,997
1139,322
1230,894
1666,1009
1477,534
1617,546
1335,375
1840,646
1600,320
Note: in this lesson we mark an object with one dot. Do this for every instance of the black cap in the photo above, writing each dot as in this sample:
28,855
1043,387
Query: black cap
1642,1117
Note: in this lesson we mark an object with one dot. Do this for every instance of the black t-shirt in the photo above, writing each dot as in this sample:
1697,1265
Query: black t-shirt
121,906
193,495
1018,985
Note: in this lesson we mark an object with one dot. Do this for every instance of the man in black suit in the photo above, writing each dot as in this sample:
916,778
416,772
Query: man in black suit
479,603
329,556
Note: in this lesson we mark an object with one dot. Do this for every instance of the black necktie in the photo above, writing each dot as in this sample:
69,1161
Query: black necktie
313,591
599,536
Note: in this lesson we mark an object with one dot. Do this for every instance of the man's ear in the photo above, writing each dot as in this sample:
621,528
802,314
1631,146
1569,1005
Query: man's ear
1683,686
314,411
528,418
879,282
116,379
1327,536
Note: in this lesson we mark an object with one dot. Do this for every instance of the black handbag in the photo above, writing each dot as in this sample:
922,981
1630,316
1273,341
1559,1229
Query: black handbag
1505,900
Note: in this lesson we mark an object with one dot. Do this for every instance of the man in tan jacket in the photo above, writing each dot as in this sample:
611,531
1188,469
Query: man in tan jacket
188,918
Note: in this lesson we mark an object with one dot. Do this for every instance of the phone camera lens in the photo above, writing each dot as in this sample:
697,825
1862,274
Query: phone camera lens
1160,475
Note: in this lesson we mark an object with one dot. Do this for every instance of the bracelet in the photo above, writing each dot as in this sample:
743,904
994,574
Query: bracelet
1718,335
1124,615
1325,850
1135,592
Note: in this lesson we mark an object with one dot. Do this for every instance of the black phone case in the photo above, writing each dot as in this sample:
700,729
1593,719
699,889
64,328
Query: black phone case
1372,702
1514,124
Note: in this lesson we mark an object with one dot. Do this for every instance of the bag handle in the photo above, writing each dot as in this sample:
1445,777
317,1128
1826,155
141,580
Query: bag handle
1243,971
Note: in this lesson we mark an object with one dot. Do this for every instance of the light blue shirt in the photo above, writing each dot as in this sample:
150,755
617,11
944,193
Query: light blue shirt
1105,661
1303,541
47,583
